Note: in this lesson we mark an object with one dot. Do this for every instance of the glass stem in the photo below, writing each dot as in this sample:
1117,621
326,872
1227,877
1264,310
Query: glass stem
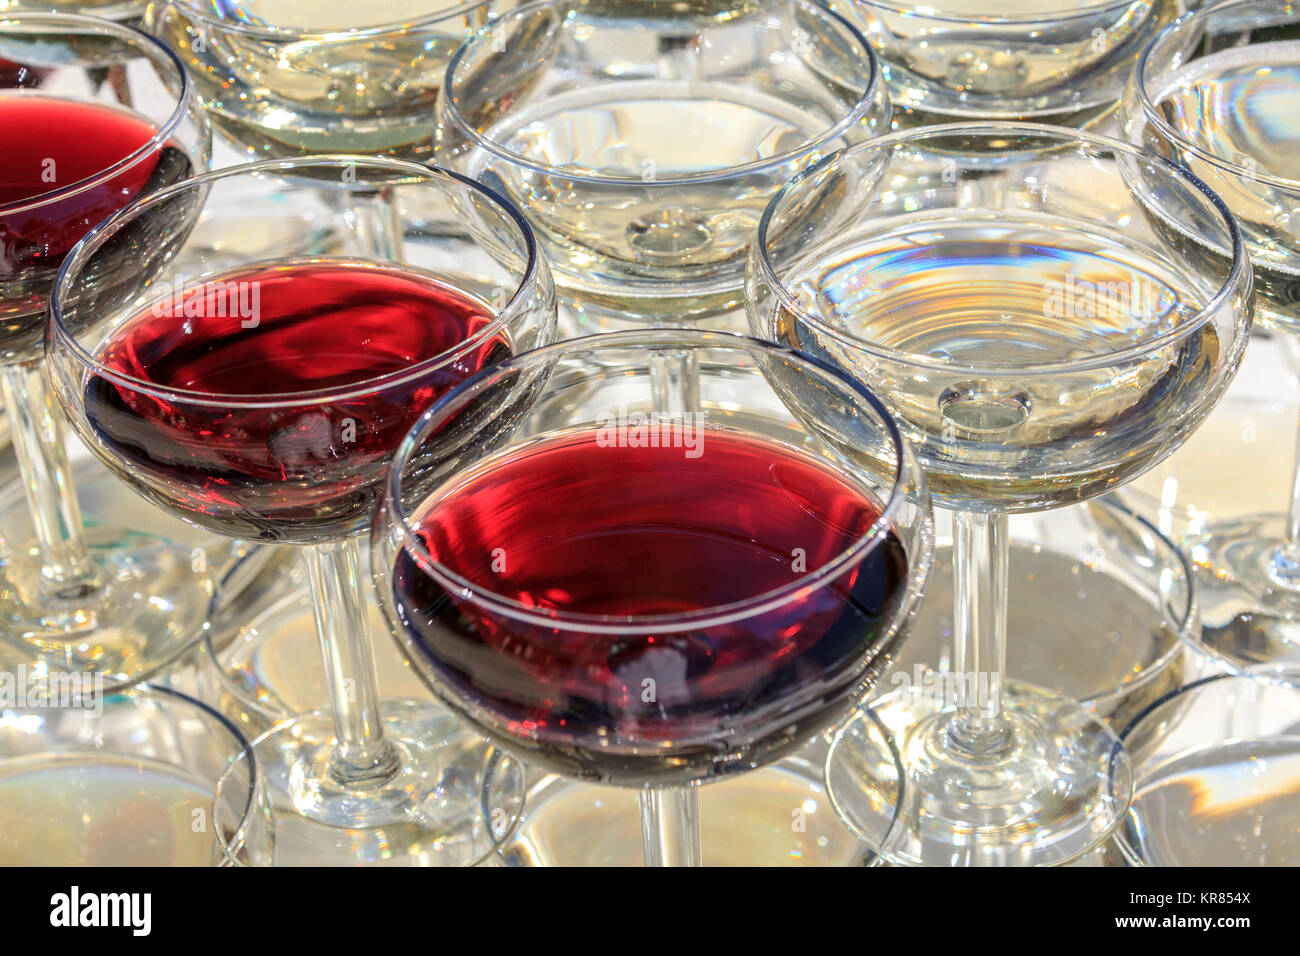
675,380
670,826
362,757
980,555
68,577
374,228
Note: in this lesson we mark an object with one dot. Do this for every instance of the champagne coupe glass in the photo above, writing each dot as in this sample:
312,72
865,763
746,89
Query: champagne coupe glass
1050,61
285,78
643,139
265,398
292,77
1219,92
1033,305
93,114
648,596
122,779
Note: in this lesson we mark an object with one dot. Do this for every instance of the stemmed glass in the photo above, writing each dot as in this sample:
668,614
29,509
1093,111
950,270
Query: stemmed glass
92,115
643,140
1034,306
1219,92
265,398
634,584
1050,61
286,78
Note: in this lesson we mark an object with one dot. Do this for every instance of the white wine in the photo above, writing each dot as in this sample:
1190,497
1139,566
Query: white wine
325,81
1241,105
657,133
1044,60
937,298
644,139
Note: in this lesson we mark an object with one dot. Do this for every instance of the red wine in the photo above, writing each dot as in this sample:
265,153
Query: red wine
303,468
15,75
46,144
580,525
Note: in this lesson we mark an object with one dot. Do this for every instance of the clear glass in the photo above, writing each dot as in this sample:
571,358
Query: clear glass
295,77
123,11
260,661
124,779
303,466
643,139
81,600
1216,93
1032,303
1049,61
1215,766
702,681
777,815
1103,612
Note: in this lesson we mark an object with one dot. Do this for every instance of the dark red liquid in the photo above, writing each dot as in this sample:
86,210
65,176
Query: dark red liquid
303,469
20,75
578,527
46,144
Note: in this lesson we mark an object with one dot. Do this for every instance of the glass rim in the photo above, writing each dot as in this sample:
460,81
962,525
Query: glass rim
243,747
92,25
57,328
1281,674
391,514
936,14
1239,273
574,174
303,34
1153,116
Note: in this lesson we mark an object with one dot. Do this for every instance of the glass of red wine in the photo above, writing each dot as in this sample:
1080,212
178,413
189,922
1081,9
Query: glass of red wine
264,399
93,115
641,584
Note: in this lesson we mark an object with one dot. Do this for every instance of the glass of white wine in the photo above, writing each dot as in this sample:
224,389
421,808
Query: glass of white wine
1031,304
1048,61
643,139
1219,92
285,78
292,77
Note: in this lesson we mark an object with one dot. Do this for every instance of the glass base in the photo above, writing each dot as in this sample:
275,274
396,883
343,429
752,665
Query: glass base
1215,768
158,597
1056,793
778,815
1250,611
452,800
